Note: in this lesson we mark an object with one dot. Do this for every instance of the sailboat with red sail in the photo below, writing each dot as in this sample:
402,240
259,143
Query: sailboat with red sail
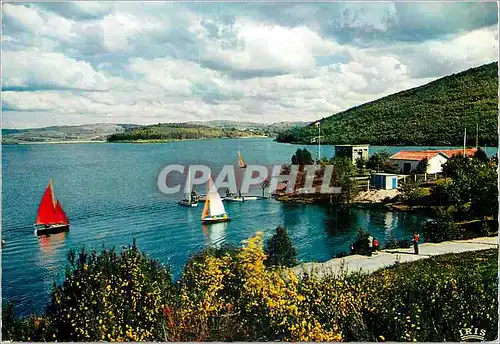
51,217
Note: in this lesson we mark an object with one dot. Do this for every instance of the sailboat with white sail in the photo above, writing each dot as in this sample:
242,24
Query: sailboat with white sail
213,211
191,199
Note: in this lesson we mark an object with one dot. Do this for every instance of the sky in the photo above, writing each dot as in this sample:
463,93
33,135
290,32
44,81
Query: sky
77,63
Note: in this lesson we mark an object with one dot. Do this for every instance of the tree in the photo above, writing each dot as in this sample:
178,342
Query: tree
442,228
481,155
360,163
378,160
411,193
473,181
280,250
343,171
302,157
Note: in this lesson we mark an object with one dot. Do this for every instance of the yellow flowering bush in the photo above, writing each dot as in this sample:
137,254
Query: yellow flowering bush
112,297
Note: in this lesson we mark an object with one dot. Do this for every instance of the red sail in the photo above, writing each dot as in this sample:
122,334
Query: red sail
50,210
60,214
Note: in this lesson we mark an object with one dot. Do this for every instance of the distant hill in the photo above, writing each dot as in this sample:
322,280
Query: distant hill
88,132
268,129
434,114
181,131
127,132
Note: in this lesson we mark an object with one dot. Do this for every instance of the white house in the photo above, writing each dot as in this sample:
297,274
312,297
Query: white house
426,161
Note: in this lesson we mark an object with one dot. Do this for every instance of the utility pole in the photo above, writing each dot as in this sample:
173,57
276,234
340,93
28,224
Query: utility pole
319,140
465,138
477,135
318,124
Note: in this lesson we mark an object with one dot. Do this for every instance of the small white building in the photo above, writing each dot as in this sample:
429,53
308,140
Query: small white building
419,161
426,161
353,152
385,181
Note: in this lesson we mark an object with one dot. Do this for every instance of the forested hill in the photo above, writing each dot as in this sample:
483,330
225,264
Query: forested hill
179,131
433,114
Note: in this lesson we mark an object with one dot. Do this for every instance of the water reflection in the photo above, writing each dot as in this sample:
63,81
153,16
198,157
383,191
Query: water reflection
215,233
50,247
390,222
339,220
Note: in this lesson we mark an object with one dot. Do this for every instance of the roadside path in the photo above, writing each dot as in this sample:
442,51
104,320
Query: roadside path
386,258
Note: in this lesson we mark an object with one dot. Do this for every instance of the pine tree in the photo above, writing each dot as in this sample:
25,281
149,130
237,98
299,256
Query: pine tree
280,250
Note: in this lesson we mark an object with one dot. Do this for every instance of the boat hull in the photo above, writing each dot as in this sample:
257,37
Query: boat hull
241,199
188,204
51,229
210,219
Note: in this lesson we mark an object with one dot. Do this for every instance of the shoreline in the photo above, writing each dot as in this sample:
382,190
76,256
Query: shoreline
132,141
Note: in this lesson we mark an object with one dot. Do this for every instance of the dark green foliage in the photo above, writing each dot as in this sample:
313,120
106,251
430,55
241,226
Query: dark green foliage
279,249
380,162
360,163
442,228
110,290
392,242
302,157
430,300
33,328
472,188
481,155
343,170
433,114
411,192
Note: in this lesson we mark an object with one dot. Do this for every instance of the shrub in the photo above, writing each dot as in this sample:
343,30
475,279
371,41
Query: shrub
392,243
279,249
111,296
33,328
411,193
441,229
235,297
430,300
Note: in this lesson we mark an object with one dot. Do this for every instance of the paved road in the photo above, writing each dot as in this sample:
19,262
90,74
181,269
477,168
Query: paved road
386,258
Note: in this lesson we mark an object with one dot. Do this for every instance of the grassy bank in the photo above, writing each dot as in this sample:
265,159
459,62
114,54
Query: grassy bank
232,295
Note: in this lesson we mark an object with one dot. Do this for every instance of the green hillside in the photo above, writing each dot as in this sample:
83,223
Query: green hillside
433,114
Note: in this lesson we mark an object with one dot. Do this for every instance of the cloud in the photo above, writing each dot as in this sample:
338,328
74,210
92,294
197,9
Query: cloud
272,49
82,62
33,70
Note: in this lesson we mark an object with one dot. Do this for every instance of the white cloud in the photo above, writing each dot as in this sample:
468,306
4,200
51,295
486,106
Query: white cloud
35,69
271,47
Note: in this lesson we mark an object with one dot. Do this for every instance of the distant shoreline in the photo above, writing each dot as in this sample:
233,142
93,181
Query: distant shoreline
133,141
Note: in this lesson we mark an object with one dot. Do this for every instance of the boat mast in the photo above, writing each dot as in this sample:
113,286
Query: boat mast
465,137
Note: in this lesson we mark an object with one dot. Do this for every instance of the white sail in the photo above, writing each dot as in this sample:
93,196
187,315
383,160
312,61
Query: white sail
215,204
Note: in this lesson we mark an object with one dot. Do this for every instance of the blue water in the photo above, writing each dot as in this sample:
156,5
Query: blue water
109,192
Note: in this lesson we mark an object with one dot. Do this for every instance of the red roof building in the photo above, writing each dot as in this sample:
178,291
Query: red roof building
413,161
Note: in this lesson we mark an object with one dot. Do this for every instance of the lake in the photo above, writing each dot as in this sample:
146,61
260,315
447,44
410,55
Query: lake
109,192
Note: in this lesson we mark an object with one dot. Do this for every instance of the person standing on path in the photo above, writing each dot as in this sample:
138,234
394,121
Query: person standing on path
415,240
370,245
